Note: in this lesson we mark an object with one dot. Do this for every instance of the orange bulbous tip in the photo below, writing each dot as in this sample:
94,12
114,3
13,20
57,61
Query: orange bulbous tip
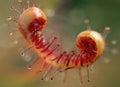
91,42
32,19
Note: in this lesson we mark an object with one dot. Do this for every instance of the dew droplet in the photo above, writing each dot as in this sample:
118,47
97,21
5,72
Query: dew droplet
114,42
9,18
11,34
29,68
114,51
15,42
22,54
50,12
106,60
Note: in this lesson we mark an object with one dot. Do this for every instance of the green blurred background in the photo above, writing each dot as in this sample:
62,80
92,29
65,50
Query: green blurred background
66,20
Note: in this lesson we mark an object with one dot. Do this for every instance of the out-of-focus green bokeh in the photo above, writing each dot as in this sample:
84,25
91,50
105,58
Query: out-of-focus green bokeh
66,18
